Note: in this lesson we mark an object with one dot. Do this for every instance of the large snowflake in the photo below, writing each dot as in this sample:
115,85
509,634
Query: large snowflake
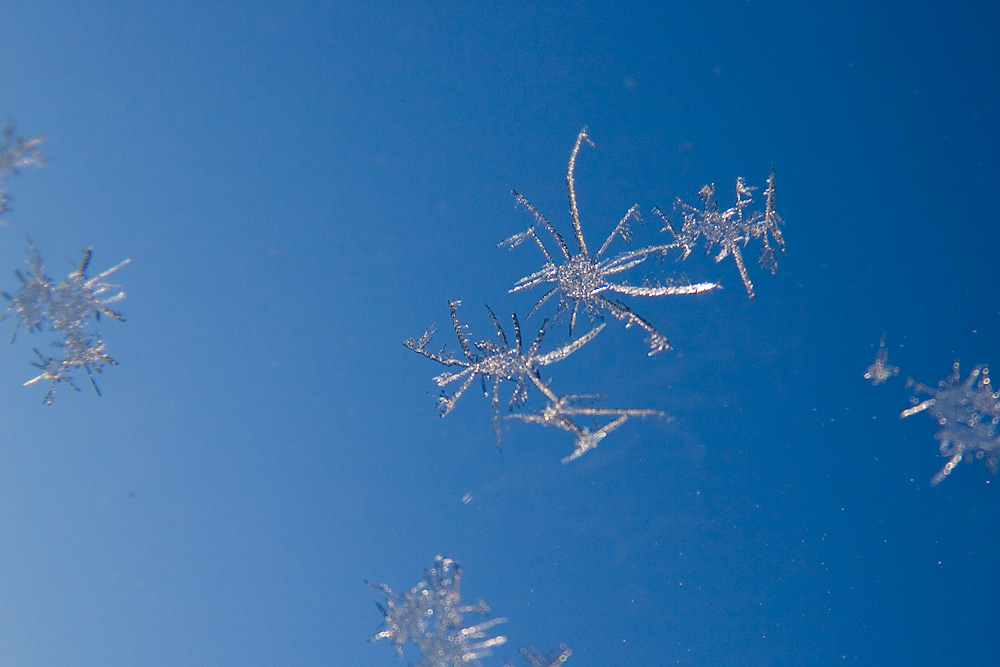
732,229
494,363
967,413
66,308
582,278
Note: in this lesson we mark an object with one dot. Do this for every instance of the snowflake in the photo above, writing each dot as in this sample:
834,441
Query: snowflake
494,363
880,371
16,152
65,307
581,279
967,413
561,410
731,229
431,615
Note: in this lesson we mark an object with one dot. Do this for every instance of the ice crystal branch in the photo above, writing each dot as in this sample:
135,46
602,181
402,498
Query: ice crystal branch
16,152
967,413
66,308
561,410
582,279
732,229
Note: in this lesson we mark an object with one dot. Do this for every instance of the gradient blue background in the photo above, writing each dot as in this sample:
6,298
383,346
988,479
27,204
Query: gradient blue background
302,186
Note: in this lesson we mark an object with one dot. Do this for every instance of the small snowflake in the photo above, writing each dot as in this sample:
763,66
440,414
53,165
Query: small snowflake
880,370
494,363
732,229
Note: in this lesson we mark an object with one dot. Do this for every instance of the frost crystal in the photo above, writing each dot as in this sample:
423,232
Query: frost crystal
880,371
583,278
967,413
494,363
66,308
731,229
16,152
561,410
431,615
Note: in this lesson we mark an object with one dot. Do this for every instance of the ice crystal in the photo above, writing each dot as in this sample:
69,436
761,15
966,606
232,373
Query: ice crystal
66,308
16,152
732,229
967,413
880,371
582,279
561,410
493,363
431,615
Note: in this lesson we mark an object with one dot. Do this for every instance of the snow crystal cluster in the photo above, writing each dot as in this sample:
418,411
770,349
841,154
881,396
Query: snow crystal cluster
967,412
583,280
69,308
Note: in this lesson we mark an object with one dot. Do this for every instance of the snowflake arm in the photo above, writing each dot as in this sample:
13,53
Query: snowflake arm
571,189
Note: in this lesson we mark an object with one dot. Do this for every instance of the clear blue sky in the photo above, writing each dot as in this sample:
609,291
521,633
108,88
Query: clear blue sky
302,187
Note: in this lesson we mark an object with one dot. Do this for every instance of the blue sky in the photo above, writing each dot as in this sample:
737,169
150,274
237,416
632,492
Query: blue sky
301,188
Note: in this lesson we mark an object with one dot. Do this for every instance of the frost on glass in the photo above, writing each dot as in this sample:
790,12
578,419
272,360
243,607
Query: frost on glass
564,413
967,413
494,363
432,616
70,308
582,278
730,230
881,370
16,152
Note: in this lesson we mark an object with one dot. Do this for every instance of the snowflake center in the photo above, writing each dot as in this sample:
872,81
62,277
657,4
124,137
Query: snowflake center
579,278
507,364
